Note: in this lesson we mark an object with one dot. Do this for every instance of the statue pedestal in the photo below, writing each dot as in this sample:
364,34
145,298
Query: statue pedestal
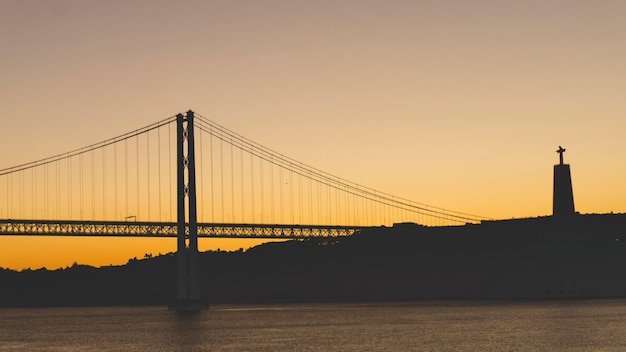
563,196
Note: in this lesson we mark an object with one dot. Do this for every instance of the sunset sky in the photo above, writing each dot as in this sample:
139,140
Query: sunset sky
457,104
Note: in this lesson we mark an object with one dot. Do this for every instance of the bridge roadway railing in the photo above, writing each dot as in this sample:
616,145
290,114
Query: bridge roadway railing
166,229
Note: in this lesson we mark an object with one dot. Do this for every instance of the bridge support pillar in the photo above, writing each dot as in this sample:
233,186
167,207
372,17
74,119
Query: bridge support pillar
188,294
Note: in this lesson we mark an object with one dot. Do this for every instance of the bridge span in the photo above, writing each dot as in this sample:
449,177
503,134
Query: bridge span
11,227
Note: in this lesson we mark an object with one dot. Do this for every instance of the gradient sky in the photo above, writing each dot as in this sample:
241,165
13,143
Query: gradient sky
458,104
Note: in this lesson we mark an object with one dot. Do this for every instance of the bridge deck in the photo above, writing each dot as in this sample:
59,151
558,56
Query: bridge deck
166,229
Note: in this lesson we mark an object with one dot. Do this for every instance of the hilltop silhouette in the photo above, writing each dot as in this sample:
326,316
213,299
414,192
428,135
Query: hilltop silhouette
584,256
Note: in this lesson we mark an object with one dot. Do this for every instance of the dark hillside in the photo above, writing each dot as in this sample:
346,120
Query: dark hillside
529,258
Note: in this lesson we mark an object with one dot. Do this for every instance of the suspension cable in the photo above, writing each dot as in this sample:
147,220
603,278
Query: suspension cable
419,206
87,148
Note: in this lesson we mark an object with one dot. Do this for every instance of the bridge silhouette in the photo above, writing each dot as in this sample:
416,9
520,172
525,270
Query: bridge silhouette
189,177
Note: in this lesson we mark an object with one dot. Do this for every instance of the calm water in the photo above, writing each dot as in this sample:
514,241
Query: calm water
596,325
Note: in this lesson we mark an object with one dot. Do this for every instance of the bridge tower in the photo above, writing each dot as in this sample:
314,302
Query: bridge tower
188,296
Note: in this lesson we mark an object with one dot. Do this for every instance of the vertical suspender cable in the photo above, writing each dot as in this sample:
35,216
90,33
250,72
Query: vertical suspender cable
355,209
104,184
252,183
93,185
301,202
125,178
58,211
80,167
212,175
69,186
273,219
159,166
378,214
200,185
329,202
319,204
241,179
310,198
115,206
148,172
262,187
22,194
390,208
32,192
50,209
381,213
8,176
365,212
404,215
347,200
280,183
45,192
232,181
386,212
10,196
169,180
291,195
35,194
7,197
137,173
337,203
222,175
17,191
397,212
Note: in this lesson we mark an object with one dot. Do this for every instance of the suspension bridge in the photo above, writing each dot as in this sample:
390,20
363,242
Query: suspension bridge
189,177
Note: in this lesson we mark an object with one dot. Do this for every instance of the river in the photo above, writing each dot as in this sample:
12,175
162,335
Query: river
573,325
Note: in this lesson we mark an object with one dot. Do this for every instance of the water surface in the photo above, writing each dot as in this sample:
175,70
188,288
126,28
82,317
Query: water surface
586,325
